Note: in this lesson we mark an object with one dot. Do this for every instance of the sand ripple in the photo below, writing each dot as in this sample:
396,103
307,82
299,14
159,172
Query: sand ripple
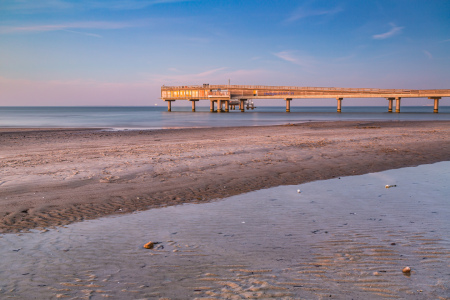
342,238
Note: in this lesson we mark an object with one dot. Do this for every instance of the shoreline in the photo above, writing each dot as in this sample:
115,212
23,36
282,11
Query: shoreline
53,177
348,238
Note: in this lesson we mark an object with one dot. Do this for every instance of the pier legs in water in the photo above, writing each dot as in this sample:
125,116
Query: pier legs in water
397,104
193,103
391,100
169,105
339,104
436,104
242,104
288,104
226,103
220,105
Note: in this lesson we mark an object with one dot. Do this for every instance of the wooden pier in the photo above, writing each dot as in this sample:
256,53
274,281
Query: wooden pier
227,97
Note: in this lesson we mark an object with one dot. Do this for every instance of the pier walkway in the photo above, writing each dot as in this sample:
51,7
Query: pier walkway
227,97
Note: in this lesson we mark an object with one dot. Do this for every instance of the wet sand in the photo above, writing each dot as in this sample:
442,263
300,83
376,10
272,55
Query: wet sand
54,177
343,238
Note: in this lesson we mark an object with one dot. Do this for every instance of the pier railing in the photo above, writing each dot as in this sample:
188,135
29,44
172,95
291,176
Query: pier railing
316,90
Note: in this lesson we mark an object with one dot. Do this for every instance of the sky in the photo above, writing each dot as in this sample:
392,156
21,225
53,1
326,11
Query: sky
117,52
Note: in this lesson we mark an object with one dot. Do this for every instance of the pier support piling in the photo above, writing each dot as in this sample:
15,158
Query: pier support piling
219,105
436,103
211,106
169,105
391,100
227,106
397,104
339,104
288,104
242,104
193,103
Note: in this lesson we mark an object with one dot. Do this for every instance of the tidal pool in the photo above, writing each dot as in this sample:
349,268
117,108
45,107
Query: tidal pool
345,238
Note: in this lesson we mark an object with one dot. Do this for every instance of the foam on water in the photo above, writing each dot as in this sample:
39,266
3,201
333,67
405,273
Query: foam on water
347,237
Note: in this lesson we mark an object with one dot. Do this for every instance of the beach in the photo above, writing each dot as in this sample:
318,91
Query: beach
52,177
342,238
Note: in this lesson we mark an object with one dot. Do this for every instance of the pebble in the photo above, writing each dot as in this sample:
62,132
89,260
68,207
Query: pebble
406,270
149,245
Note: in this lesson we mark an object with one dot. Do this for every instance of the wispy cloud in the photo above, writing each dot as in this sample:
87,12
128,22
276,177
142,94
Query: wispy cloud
70,26
186,78
130,4
214,76
305,12
287,56
35,5
209,72
428,54
394,31
190,39
308,63
84,33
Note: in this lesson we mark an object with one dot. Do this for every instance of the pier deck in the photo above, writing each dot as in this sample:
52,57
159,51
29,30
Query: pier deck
232,95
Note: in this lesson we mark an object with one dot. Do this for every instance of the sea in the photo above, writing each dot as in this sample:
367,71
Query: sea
157,117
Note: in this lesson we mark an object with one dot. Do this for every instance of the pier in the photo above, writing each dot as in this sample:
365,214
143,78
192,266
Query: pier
226,97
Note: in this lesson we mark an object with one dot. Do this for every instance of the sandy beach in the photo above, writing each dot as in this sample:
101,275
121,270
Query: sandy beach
342,238
52,177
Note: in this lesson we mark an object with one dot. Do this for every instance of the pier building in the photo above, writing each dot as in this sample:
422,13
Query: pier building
225,97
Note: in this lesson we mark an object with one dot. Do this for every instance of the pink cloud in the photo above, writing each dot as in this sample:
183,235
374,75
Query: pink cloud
68,26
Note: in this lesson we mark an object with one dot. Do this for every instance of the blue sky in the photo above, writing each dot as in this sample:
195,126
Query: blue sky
67,52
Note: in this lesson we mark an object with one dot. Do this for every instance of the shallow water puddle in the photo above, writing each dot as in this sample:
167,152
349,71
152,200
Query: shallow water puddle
343,238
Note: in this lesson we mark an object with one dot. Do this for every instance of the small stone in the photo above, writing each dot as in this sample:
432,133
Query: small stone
406,270
149,245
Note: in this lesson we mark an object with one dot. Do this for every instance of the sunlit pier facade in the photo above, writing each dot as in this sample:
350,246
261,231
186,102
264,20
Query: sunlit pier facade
228,97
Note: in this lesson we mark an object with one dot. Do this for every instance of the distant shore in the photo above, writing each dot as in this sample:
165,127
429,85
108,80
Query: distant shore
55,177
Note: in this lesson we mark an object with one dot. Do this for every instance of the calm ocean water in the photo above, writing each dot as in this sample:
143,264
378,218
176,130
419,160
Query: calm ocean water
158,117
